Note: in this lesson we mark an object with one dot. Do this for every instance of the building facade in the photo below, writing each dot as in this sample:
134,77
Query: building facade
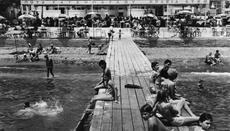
136,8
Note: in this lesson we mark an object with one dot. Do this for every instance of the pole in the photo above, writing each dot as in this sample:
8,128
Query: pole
167,15
92,17
42,9
15,43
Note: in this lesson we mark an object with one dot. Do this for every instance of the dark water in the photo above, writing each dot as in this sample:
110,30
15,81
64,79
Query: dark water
215,98
73,87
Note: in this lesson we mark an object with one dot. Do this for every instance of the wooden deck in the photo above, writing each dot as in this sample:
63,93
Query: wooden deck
128,66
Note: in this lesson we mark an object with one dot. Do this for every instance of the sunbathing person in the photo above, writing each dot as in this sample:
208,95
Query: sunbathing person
171,110
154,123
105,78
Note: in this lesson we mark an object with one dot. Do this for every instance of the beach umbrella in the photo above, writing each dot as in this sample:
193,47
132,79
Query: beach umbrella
184,12
150,15
26,16
92,15
221,15
2,18
62,16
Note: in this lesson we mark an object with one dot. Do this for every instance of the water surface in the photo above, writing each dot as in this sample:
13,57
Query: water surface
72,87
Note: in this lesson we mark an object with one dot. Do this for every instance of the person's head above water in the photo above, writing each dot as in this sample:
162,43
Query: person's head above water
146,111
155,65
102,64
27,104
167,63
205,121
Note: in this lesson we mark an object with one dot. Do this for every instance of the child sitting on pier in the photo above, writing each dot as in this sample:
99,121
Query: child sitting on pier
105,78
111,93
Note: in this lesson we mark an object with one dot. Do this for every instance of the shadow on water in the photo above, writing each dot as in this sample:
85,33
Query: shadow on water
72,87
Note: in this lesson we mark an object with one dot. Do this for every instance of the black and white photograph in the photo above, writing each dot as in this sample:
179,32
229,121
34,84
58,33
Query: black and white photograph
114,65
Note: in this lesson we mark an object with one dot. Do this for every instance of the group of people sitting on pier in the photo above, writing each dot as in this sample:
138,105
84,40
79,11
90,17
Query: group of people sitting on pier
213,60
166,108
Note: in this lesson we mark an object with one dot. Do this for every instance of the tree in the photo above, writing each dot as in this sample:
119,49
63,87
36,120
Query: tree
4,4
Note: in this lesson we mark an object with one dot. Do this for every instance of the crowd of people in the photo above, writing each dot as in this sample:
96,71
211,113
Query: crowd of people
162,111
165,110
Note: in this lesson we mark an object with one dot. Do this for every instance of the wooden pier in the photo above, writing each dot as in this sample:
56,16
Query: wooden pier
128,66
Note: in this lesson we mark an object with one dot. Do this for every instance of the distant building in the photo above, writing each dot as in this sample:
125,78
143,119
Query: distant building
226,6
136,8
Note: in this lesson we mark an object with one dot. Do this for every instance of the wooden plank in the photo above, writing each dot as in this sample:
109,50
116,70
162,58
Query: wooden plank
135,108
117,114
128,65
127,124
107,116
97,116
126,109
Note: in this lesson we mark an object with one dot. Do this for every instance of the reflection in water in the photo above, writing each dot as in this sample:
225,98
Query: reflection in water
63,98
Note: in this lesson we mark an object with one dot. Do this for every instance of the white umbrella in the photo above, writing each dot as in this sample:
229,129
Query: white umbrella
150,15
92,14
184,12
26,16
1,17
63,16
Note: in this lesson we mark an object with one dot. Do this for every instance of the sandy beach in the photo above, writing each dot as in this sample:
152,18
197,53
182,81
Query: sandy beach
75,51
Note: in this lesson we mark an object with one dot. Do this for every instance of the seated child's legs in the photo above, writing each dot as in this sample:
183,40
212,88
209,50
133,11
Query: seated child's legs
103,97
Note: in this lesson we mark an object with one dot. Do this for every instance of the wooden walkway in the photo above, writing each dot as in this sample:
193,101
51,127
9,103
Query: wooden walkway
128,66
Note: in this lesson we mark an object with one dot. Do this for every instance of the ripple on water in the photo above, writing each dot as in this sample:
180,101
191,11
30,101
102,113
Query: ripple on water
72,88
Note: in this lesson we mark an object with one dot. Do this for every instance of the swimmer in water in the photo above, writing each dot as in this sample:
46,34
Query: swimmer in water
27,105
200,84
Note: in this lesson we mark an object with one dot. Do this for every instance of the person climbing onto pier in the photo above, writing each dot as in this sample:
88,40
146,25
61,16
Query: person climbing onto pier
49,66
105,78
